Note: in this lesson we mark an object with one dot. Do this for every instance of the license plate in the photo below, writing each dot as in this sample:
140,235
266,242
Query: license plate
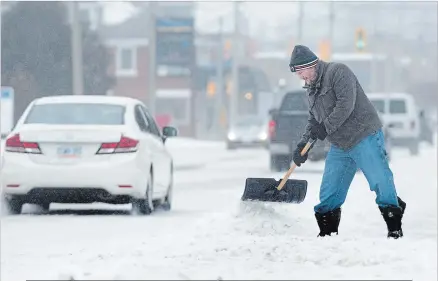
69,152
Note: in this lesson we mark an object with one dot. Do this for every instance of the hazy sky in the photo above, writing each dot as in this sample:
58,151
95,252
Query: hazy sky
208,12
116,12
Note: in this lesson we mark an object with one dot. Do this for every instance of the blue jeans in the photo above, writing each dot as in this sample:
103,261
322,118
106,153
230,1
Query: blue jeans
340,168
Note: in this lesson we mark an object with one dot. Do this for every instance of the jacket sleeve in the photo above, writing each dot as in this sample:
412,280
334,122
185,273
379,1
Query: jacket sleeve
310,121
344,86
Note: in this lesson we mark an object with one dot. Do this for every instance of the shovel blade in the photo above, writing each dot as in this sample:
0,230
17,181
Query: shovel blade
265,189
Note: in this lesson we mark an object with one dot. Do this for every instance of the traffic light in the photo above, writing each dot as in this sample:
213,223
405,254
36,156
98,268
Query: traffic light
227,49
211,89
360,40
325,50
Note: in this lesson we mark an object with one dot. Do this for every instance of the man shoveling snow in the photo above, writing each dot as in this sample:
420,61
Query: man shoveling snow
341,112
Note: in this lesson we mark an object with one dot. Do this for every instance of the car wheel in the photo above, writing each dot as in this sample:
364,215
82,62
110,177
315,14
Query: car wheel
45,207
13,206
145,206
167,203
414,148
280,163
273,164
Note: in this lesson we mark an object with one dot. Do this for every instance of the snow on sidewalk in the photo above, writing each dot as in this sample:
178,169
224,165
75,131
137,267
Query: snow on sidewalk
274,241
191,154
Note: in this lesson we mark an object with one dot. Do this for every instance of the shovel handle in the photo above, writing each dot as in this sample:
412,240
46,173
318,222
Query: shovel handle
289,172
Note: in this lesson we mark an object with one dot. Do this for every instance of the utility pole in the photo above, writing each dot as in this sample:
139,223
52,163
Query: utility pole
331,23
220,76
300,21
374,49
233,112
1,94
76,47
152,69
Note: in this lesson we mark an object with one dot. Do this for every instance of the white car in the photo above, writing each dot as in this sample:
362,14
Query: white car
399,112
249,131
85,149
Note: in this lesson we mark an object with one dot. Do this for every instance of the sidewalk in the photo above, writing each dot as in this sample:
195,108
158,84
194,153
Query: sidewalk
191,154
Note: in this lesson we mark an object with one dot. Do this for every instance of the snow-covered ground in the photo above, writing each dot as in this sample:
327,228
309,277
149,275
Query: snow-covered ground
210,233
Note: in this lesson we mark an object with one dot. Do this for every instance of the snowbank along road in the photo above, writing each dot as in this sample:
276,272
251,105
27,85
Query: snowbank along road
210,233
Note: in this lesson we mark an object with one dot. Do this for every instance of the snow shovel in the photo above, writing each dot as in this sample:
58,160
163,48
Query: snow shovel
271,190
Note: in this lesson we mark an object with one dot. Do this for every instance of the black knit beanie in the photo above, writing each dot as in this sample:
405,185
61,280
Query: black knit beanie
302,57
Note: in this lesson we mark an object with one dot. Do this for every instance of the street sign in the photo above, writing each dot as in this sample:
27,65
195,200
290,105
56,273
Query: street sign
175,45
6,109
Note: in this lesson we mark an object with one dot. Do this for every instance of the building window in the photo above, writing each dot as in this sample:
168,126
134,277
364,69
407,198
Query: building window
126,61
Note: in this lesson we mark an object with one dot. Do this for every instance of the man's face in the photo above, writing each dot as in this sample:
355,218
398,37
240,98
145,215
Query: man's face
308,74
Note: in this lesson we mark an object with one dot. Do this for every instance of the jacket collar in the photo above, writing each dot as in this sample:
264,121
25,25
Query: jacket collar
320,67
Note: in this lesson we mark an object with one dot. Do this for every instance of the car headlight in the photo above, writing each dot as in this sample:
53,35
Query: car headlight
231,136
263,136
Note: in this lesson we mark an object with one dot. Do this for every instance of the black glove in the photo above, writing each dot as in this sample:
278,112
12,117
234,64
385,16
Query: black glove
317,131
297,158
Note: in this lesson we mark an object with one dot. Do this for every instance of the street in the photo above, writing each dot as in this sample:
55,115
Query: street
210,233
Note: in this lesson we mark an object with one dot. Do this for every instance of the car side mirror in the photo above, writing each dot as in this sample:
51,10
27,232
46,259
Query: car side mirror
273,111
169,132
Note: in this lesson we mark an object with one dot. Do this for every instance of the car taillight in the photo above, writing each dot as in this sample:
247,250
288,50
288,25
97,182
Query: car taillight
125,145
271,128
14,144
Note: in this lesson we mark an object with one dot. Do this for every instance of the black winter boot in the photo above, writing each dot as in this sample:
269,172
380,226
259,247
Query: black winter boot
402,204
393,218
328,222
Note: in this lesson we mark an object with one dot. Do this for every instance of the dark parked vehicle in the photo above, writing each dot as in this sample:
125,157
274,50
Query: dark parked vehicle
286,126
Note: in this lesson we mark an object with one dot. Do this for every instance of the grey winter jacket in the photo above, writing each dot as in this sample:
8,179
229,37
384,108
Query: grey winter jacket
337,100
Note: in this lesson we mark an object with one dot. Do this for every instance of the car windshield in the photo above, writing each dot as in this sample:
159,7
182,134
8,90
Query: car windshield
76,114
249,122
379,105
397,106
295,102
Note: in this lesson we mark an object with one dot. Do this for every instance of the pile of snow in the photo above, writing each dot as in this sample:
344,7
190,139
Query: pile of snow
276,243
